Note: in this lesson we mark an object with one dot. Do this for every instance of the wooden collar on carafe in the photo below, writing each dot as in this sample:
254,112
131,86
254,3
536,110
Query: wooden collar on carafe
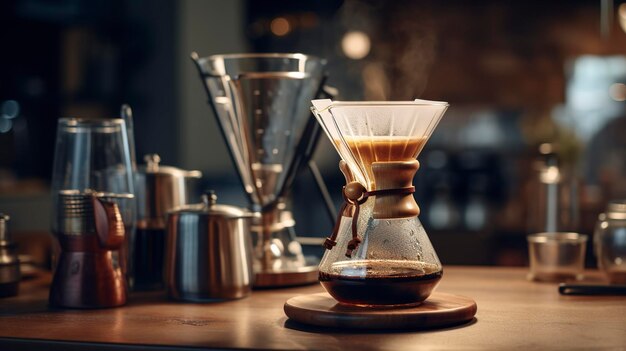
393,197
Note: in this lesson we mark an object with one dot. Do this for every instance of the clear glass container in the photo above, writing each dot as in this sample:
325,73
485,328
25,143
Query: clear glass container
386,258
556,256
92,172
610,242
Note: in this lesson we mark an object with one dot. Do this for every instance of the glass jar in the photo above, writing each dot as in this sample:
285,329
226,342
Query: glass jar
610,242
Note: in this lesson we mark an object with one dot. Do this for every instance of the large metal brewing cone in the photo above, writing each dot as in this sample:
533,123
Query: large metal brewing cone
261,102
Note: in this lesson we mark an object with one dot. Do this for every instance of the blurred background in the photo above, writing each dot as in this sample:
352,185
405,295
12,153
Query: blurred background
537,121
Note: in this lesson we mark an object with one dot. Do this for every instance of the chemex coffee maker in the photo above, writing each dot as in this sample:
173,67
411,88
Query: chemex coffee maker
261,105
379,269
378,252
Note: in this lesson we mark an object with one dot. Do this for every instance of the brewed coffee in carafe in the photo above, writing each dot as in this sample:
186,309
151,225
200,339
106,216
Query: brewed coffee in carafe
379,253
372,149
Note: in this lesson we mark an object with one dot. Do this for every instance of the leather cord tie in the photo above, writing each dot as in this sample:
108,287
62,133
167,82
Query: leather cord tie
355,194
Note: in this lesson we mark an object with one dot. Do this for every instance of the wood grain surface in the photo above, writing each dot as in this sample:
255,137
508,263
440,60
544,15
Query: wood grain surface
513,314
439,310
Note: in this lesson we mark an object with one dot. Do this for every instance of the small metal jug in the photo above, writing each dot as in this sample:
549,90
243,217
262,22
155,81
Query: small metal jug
159,189
209,252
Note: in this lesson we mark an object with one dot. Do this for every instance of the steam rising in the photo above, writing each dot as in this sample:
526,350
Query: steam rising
403,47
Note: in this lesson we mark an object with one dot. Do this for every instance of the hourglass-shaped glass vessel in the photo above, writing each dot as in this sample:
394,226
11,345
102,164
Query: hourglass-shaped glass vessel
379,253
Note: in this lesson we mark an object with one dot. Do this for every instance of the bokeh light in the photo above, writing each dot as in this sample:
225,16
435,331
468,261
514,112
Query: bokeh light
617,92
621,16
280,26
356,45
10,109
5,125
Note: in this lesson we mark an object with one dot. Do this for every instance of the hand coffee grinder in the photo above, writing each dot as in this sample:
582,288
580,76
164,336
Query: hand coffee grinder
90,233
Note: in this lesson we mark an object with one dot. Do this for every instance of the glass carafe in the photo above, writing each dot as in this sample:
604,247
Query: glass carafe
379,253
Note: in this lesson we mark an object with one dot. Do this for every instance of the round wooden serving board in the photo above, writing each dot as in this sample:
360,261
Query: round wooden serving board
439,310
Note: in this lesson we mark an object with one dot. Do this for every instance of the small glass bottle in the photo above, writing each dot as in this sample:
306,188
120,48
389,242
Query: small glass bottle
610,242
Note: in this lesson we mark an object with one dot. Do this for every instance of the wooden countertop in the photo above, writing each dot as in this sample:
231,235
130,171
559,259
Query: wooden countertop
513,314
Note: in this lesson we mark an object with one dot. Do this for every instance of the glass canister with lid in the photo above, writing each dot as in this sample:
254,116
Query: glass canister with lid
610,241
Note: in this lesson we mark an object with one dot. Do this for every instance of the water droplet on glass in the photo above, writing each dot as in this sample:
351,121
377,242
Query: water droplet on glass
275,151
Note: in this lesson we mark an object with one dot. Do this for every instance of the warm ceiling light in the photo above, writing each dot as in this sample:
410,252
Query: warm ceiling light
617,92
280,26
356,45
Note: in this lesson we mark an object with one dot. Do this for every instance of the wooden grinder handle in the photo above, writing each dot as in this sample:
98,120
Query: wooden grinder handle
395,175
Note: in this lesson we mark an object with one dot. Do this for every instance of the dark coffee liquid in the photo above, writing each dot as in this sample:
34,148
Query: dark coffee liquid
380,282
148,259
369,149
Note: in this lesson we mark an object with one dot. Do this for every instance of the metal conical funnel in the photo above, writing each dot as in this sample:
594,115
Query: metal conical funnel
367,132
261,102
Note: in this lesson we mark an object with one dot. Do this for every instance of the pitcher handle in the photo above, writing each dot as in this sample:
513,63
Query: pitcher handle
109,224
